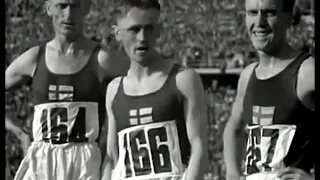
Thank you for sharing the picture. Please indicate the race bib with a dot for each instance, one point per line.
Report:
(66, 122)
(262, 176)
(267, 146)
(149, 151)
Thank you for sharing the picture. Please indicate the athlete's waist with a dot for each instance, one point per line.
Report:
(41, 144)
(53, 141)
(271, 175)
(65, 103)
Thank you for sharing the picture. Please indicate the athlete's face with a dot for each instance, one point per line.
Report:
(67, 15)
(267, 24)
(138, 32)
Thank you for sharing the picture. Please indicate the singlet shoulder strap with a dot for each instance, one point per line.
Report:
(41, 51)
(120, 87)
(299, 60)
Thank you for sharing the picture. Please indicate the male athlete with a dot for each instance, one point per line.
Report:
(68, 74)
(156, 113)
(275, 100)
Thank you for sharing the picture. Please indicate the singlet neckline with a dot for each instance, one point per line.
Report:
(293, 62)
(171, 72)
(75, 73)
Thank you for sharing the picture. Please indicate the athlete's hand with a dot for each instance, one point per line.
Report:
(291, 173)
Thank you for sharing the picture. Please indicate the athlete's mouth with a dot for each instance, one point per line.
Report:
(142, 48)
(68, 24)
(260, 33)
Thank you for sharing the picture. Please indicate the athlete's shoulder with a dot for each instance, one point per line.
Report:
(188, 80)
(308, 65)
(184, 73)
(26, 61)
(247, 71)
(306, 75)
(115, 82)
(244, 78)
(113, 87)
(31, 54)
(115, 62)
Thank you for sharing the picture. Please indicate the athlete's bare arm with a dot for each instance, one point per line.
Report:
(305, 92)
(21, 135)
(21, 69)
(306, 83)
(234, 133)
(112, 139)
(113, 61)
(190, 85)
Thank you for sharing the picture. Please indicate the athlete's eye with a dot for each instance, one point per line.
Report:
(252, 12)
(134, 29)
(270, 12)
(62, 5)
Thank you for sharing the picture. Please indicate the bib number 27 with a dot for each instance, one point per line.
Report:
(257, 140)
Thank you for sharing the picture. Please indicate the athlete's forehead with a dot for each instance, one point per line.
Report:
(140, 17)
(263, 4)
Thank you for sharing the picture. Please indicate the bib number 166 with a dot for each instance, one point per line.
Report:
(147, 152)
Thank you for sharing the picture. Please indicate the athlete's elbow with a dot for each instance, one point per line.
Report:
(228, 131)
(9, 86)
(232, 130)
(200, 150)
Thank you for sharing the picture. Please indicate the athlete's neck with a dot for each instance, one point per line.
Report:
(139, 70)
(269, 59)
(67, 45)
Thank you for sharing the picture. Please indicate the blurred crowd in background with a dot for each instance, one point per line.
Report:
(197, 33)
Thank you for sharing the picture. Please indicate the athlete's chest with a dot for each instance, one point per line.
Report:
(83, 85)
(266, 73)
(163, 105)
(145, 86)
(59, 63)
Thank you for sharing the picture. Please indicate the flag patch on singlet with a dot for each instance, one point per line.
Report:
(61, 92)
(140, 116)
(262, 115)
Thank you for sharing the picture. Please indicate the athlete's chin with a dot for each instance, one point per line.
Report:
(142, 59)
(261, 46)
(69, 32)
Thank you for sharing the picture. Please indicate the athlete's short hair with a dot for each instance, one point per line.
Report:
(123, 6)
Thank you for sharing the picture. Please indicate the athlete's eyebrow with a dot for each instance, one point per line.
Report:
(140, 26)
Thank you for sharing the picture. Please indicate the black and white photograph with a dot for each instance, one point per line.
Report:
(160, 90)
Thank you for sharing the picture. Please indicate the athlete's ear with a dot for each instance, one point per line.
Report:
(48, 8)
(116, 30)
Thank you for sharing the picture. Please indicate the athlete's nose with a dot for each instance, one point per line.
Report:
(141, 36)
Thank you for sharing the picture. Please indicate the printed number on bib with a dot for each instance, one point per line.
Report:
(260, 137)
(147, 152)
(58, 128)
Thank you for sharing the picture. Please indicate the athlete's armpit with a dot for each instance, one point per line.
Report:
(21, 69)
